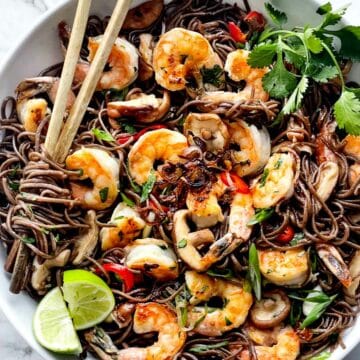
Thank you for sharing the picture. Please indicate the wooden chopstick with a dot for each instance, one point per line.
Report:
(89, 85)
(67, 75)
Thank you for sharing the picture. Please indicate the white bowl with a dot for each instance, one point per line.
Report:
(39, 49)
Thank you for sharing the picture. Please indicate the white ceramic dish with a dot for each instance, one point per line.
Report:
(40, 48)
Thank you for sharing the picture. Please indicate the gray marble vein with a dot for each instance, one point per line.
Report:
(17, 16)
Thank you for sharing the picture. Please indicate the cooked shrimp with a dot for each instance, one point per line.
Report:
(123, 62)
(209, 128)
(178, 54)
(141, 107)
(188, 243)
(238, 69)
(149, 317)
(277, 182)
(232, 315)
(153, 257)
(334, 262)
(144, 15)
(102, 169)
(31, 111)
(352, 146)
(163, 144)
(204, 207)
(254, 147)
(146, 50)
(128, 226)
(285, 268)
(286, 348)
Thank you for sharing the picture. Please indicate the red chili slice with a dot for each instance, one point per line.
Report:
(256, 20)
(126, 276)
(287, 235)
(231, 179)
(236, 33)
(123, 139)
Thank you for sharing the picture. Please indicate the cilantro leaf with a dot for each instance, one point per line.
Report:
(148, 186)
(279, 82)
(296, 97)
(212, 75)
(347, 112)
(102, 135)
(104, 194)
(331, 18)
(350, 41)
(322, 356)
(278, 17)
(262, 55)
(325, 74)
(355, 91)
(129, 128)
(324, 9)
(312, 42)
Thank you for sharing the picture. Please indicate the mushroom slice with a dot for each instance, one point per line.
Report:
(271, 310)
(153, 257)
(142, 107)
(144, 15)
(86, 241)
(209, 128)
(123, 314)
(146, 49)
(42, 271)
(334, 262)
(354, 269)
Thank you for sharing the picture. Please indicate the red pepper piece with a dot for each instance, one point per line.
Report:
(255, 20)
(236, 33)
(236, 181)
(127, 276)
(123, 139)
(287, 235)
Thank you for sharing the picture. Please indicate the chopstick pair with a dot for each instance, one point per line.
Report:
(58, 142)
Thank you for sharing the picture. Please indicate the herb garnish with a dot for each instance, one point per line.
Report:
(213, 75)
(203, 348)
(264, 176)
(254, 271)
(182, 243)
(309, 50)
(28, 240)
(261, 215)
(221, 273)
(104, 194)
(126, 200)
(148, 186)
(102, 135)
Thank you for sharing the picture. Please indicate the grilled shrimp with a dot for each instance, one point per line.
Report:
(287, 347)
(148, 317)
(238, 69)
(277, 181)
(128, 226)
(233, 314)
(285, 268)
(352, 146)
(254, 147)
(102, 169)
(141, 107)
(163, 144)
(123, 62)
(31, 111)
(209, 128)
(153, 257)
(188, 243)
(179, 54)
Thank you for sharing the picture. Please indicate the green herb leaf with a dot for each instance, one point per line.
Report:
(325, 74)
(102, 135)
(331, 17)
(295, 313)
(323, 9)
(228, 322)
(28, 240)
(294, 101)
(104, 194)
(347, 112)
(126, 200)
(350, 41)
(297, 237)
(203, 348)
(14, 185)
(264, 176)
(322, 356)
(278, 164)
(213, 75)
(148, 186)
(278, 17)
(182, 243)
(279, 82)
(262, 55)
(129, 128)
(119, 218)
(316, 312)
(14, 171)
(313, 43)
(118, 95)
(261, 215)
(221, 273)
(254, 271)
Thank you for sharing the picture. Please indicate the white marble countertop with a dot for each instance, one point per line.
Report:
(17, 16)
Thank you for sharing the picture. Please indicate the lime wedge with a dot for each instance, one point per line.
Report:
(53, 327)
(89, 299)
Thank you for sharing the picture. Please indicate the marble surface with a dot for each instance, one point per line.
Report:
(17, 16)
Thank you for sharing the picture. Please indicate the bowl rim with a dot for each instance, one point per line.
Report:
(336, 354)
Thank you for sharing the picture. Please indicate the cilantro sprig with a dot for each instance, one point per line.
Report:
(311, 53)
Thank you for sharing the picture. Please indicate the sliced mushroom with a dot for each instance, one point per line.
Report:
(264, 337)
(42, 271)
(122, 314)
(209, 128)
(86, 241)
(142, 107)
(354, 269)
(327, 179)
(271, 310)
(146, 49)
(144, 15)
(334, 262)
(153, 257)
